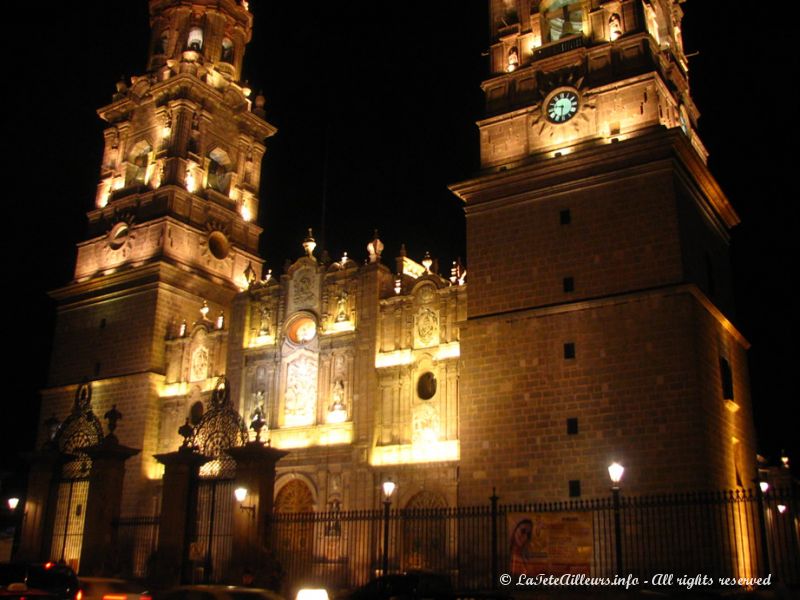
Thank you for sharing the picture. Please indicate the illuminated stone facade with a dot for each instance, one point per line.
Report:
(173, 230)
(596, 328)
(356, 372)
(600, 290)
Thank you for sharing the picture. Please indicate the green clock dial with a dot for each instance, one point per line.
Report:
(562, 106)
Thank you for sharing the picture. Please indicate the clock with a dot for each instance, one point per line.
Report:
(561, 105)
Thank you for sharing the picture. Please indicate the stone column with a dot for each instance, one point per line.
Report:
(103, 505)
(40, 504)
(178, 514)
(255, 471)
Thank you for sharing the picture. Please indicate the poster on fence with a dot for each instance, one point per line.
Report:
(550, 543)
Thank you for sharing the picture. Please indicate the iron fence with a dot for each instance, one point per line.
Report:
(136, 541)
(728, 534)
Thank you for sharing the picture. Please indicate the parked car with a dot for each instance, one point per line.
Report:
(20, 591)
(413, 585)
(106, 588)
(43, 579)
(217, 592)
(417, 585)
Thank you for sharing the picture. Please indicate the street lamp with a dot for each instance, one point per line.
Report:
(13, 503)
(240, 494)
(388, 490)
(615, 471)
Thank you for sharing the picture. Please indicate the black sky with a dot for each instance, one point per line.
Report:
(389, 93)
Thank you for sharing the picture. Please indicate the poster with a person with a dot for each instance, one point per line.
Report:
(550, 543)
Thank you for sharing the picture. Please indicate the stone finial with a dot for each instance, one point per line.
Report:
(51, 425)
(83, 398)
(309, 243)
(204, 310)
(257, 423)
(375, 248)
(427, 261)
(186, 431)
(112, 416)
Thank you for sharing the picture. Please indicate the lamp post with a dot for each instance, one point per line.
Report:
(388, 490)
(12, 504)
(615, 471)
(762, 487)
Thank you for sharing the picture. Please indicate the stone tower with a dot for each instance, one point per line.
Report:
(600, 296)
(172, 230)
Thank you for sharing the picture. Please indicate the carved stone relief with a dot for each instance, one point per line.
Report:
(300, 396)
(426, 328)
(425, 424)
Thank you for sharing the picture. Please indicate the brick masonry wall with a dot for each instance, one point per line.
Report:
(622, 236)
(103, 339)
(635, 386)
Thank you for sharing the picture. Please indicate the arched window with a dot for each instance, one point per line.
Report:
(195, 39)
(562, 18)
(138, 161)
(227, 51)
(219, 170)
(162, 43)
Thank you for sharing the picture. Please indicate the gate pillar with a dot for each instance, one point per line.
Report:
(103, 505)
(40, 503)
(178, 521)
(255, 471)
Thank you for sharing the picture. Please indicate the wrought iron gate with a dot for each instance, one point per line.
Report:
(69, 518)
(79, 430)
(219, 429)
(211, 550)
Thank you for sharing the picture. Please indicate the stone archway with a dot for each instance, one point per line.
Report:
(424, 535)
(294, 526)
(294, 497)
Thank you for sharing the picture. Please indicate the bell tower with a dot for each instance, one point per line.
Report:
(600, 296)
(173, 227)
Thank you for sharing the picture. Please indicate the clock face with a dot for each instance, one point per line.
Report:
(562, 106)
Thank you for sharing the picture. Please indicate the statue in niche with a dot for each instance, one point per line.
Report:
(614, 27)
(341, 306)
(258, 402)
(301, 392)
(513, 58)
(337, 396)
(264, 321)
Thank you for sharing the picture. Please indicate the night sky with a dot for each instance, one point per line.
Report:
(375, 104)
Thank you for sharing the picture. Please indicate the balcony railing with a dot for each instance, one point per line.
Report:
(565, 45)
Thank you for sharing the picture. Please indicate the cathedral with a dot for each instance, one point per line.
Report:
(590, 325)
